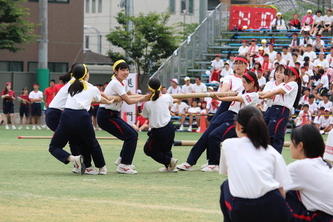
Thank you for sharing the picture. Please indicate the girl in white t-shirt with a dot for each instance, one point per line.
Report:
(310, 193)
(285, 97)
(162, 133)
(193, 112)
(257, 173)
(36, 98)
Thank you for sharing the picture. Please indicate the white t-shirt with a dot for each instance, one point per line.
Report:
(226, 72)
(36, 95)
(329, 59)
(304, 100)
(194, 110)
(287, 57)
(327, 105)
(324, 80)
(235, 83)
(158, 111)
(303, 42)
(248, 98)
(59, 101)
(313, 179)
(179, 108)
(84, 99)
(323, 122)
(243, 50)
(312, 55)
(176, 90)
(199, 88)
(252, 172)
(115, 88)
(272, 56)
(287, 99)
(313, 107)
(318, 19)
(187, 88)
(328, 20)
(217, 64)
(262, 81)
(281, 62)
(270, 86)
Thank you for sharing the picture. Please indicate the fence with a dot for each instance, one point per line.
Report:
(194, 46)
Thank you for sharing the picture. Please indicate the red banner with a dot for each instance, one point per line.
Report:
(251, 17)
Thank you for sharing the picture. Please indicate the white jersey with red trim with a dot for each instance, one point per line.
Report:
(287, 99)
(115, 88)
(248, 98)
(270, 86)
(235, 83)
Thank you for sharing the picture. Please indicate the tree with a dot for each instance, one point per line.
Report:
(149, 41)
(14, 29)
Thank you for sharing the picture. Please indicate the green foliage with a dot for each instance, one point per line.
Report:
(147, 43)
(185, 30)
(14, 28)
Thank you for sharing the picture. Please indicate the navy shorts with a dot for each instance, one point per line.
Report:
(8, 106)
(24, 110)
(36, 109)
(93, 110)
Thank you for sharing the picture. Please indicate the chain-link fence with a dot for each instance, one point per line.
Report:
(194, 46)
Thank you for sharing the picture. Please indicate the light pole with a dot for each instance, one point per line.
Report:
(99, 37)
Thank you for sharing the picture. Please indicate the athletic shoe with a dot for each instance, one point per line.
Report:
(91, 171)
(210, 168)
(13, 127)
(33, 128)
(181, 128)
(198, 130)
(27, 127)
(204, 166)
(167, 170)
(118, 161)
(7, 127)
(20, 127)
(126, 169)
(38, 127)
(185, 167)
(76, 170)
(78, 162)
(189, 129)
(102, 171)
(172, 164)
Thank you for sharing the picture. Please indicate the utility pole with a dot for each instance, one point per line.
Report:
(43, 71)
(203, 10)
(129, 10)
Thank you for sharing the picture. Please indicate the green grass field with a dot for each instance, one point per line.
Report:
(34, 186)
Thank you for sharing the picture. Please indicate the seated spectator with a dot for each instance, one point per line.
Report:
(142, 124)
(271, 53)
(318, 24)
(304, 116)
(217, 65)
(279, 59)
(307, 21)
(295, 41)
(266, 64)
(164, 90)
(253, 50)
(198, 86)
(278, 23)
(261, 79)
(294, 60)
(194, 112)
(227, 70)
(212, 105)
(324, 122)
(321, 61)
(305, 98)
(294, 23)
(328, 21)
(305, 40)
(286, 55)
(309, 53)
(243, 49)
(187, 87)
(260, 56)
(180, 108)
(174, 88)
(313, 107)
(318, 44)
(256, 67)
(264, 45)
(329, 58)
(324, 81)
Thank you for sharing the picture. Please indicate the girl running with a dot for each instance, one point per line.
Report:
(162, 133)
(108, 116)
(257, 173)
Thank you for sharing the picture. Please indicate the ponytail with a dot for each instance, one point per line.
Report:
(79, 72)
(154, 86)
(254, 126)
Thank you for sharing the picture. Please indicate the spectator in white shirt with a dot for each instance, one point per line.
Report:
(217, 65)
(174, 88)
(305, 77)
(279, 59)
(286, 55)
(318, 44)
(187, 87)
(328, 19)
(198, 86)
(318, 24)
(194, 112)
(226, 70)
(324, 81)
(324, 122)
(271, 53)
(313, 107)
(243, 49)
(264, 45)
(309, 53)
(321, 61)
(295, 41)
(278, 23)
(180, 109)
(329, 58)
(305, 40)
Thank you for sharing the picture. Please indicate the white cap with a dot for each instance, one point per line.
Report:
(263, 41)
(307, 28)
(210, 87)
(244, 27)
(174, 80)
(309, 11)
(260, 48)
(279, 13)
(187, 78)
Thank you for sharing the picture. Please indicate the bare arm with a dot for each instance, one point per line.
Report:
(270, 94)
(130, 100)
(114, 98)
(283, 193)
(231, 99)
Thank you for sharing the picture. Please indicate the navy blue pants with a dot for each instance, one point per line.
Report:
(276, 118)
(219, 129)
(8, 106)
(52, 118)
(224, 106)
(36, 109)
(76, 125)
(301, 214)
(269, 208)
(159, 144)
(111, 122)
(24, 110)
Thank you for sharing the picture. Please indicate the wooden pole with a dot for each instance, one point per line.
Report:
(50, 137)
(202, 95)
(192, 143)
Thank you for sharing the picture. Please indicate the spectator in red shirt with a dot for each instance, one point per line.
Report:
(141, 123)
(62, 81)
(294, 23)
(8, 96)
(49, 93)
(24, 108)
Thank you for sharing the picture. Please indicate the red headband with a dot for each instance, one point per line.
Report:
(241, 59)
(249, 77)
(294, 71)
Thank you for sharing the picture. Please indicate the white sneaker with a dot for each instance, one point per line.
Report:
(38, 127)
(13, 127)
(167, 170)
(181, 128)
(185, 167)
(204, 165)
(76, 170)
(33, 128)
(198, 130)
(210, 168)
(7, 127)
(103, 171)
(118, 161)
(27, 127)
(126, 169)
(91, 171)
(20, 127)
(189, 129)
(172, 164)
(78, 162)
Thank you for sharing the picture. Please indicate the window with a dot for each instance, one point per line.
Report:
(100, 6)
(87, 6)
(86, 42)
(187, 6)
(93, 6)
(9, 66)
(172, 6)
(190, 6)
(182, 6)
(52, 1)
(53, 66)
